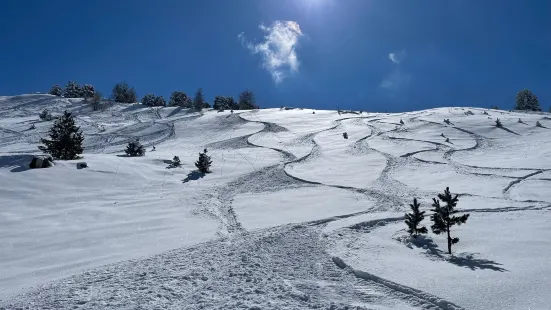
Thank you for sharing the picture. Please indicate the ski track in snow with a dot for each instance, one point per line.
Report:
(284, 267)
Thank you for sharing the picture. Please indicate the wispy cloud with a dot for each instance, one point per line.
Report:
(397, 57)
(278, 49)
(396, 79)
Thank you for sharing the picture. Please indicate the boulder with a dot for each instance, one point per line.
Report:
(41, 161)
(82, 164)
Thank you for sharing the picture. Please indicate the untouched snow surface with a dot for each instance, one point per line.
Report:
(293, 215)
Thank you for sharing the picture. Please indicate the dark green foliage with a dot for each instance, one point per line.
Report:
(198, 100)
(204, 162)
(56, 90)
(224, 103)
(247, 101)
(73, 90)
(149, 100)
(160, 101)
(88, 91)
(65, 139)
(180, 99)
(443, 217)
(124, 94)
(413, 219)
(526, 100)
(135, 148)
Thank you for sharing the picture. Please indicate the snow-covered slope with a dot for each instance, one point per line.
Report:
(293, 216)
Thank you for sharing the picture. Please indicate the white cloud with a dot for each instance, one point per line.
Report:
(397, 57)
(395, 80)
(278, 49)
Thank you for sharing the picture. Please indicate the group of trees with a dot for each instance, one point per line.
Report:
(65, 143)
(443, 217)
(123, 93)
(73, 90)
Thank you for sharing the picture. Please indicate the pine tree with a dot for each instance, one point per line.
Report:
(247, 101)
(159, 101)
(443, 217)
(526, 100)
(176, 161)
(65, 139)
(56, 90)
(414, 218)
(73, 90)
(498, 123)
(123, 93)
(149, 100)
(198, 100)
(135, 148)
(204, 162)
(88, 91)
(178, 98)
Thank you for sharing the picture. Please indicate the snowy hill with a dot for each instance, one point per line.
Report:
(293, 216)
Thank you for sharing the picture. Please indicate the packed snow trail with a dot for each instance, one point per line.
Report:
(280, 268)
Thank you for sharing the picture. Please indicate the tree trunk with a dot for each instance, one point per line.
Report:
(449, 239)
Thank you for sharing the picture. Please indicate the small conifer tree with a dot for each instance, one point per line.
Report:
(65, 139)
(176, 161)
(414, 218)
(198, 100)
(135, 148)
(443, 217)
(45, 115)
(123, 93)
(178, 98)
(56, 90)
(498, 123)
(88, 91)
(527, 100)
(204, 162)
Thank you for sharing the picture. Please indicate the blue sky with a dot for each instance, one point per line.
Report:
(375, 55)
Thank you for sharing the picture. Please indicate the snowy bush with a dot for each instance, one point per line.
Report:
(498, 123)
(413, 219)
(538, 124)
(56, 90)
(345, 135)
(204, 162)
(175, 162)
(135, 148)
(224, 103)
(443, 217)
(45, 115)
(123, 93)
(65, 139)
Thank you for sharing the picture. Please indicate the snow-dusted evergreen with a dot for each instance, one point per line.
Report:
(527, 100)
(180, 99)
(124, 93)
(135, 148)
(444, 217)
(88, 91)
(65, 139)
(204, 162)
(56, 90)
(73, 90)
(247, 101)
(45, 115)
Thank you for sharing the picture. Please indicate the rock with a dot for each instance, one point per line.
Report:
(82, 164)
(41, 161)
